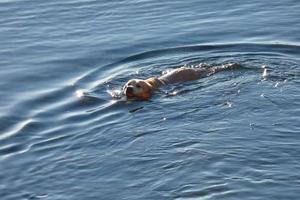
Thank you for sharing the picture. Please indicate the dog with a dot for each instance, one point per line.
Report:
(142, 89)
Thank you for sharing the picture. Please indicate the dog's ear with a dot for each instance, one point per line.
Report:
(152, 82)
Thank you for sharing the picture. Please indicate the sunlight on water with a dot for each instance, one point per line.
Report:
(173, 93)
(79, 93)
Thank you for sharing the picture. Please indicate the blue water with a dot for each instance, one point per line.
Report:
(234, 135)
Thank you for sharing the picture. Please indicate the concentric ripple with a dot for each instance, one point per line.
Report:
(217, 137)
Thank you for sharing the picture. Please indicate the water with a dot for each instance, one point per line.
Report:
(234, 135)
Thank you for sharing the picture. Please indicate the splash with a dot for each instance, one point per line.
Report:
(117, 94)
(265, 72)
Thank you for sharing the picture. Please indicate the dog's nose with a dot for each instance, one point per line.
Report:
(129, 90)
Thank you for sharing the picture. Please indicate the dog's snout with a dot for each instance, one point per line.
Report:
(129, 90)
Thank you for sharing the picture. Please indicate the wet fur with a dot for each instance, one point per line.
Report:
(142, 89)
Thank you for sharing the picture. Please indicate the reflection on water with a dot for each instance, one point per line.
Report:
(79, 93)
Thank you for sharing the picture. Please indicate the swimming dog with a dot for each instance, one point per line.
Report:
(142, 89)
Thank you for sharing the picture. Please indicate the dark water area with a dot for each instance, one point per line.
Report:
(66, 134)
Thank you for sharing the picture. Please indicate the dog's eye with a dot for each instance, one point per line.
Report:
(138, 86)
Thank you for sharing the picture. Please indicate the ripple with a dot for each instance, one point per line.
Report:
(192, 140)
(208, 192)
(13, 149)
(178, 56)
(16, 129)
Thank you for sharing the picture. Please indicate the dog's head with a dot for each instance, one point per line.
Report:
(138, 88)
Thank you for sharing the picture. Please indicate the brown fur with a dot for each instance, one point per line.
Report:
(142, 89)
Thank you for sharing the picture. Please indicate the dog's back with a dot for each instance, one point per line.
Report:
(188, 74)
(183, 74)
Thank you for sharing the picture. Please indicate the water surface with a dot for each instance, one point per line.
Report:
(234, 135)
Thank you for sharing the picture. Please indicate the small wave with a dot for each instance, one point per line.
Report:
(153, 63)
(16, 129)
(13, 149)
